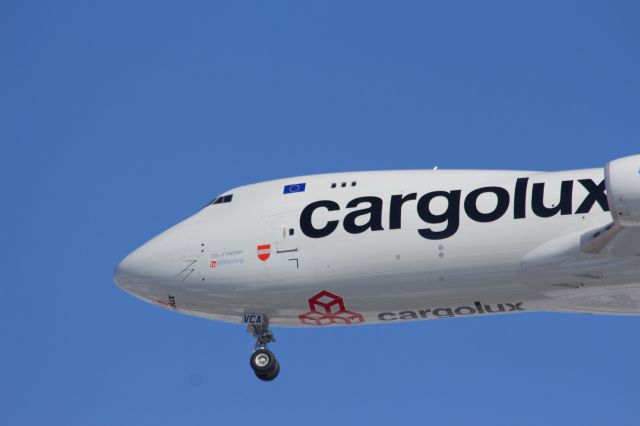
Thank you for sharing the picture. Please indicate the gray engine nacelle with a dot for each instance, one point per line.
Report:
(622, 180)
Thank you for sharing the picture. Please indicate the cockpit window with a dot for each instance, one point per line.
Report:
(222, 199)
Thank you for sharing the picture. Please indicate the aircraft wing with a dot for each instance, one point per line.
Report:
(613, 239)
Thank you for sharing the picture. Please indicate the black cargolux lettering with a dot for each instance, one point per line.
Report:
(370, 217)
(395, 211)
(490, 310)
(596, 195)
(374, 211)
(408, 315)
(564, 205)
(502, 204)
(464, 310)
(442, 312)
(520, 199)
(383, 316)
(451, 215)
(515, 306)
(306, 225)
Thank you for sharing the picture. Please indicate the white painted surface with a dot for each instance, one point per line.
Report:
(208, 265)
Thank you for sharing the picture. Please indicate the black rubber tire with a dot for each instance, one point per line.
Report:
(270, 375)
(259, 367)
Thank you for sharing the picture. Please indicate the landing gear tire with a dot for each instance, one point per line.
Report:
(270, 375)
(263, 361)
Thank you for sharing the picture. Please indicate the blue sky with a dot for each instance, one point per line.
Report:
(121, 118)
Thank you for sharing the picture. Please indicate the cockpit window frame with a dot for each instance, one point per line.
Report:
(223, 199)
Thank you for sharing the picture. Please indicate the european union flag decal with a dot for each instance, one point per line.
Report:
(296, 187)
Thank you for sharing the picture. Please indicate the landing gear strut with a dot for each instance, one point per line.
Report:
(263, 361)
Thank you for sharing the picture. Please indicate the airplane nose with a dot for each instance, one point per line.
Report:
(156, 264)
(122, 273)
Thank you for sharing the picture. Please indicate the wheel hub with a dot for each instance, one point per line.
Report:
(262, 360)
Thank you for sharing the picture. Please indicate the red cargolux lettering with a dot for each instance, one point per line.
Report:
(326, 308)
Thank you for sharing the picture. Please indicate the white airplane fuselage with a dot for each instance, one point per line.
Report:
(377, 247)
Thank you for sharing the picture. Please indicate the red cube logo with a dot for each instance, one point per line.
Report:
(326, 308)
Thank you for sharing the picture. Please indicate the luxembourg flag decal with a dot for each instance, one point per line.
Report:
(264, 251)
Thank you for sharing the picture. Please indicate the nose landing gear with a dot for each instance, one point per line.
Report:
(263, 361)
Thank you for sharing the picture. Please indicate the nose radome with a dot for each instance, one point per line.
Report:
(157, 262)
(122, 273)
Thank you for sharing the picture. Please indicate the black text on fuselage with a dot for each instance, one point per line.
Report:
(450, 217)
